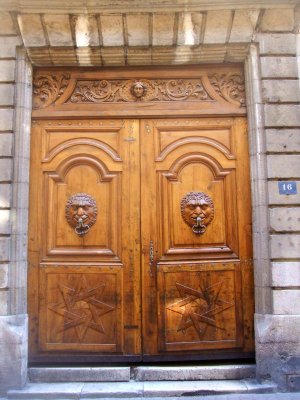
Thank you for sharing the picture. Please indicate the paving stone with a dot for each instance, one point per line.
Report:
(286, 301)
(243, 25)
(285, 246)
(281, 90)
(112, 30)
(282, 115)
(7, 70)
(285, 274)
(276, 43)
(285, 219)
(283, 140)
(279, 67)
(138, 29)
(181, 373)
(280, 19)
(6, 26)
(283, 166)
(48, 391)
(32, 30)
(110, 389)
(276, 198)
(189, 28)
(58, 29)
(79, 374)
(163, 29)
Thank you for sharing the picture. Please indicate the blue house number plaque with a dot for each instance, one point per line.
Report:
(288, 187)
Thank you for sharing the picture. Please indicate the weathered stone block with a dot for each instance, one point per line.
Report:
(276, 198)
(283, 166)
(285, 219)
(217, 26)
(189, 29)
(112, 30)
(285, 274)
(32, 30)
(280, 91)
(5, 169)
(113, 55)
(139, 56)
(286, 301)
(276, 43)
(283, 140)
(282, 115)
(4, 302)
(4, 249)
(138, 29)
(13, 350)
(7, 70)
(279, 67)
(59, 29)
(285, 246)
(6, 94)
(6, 26)
(6, 119)
(5, 227)
(8, 46)
(243, 25)
(61, 56)
(293, 382)
(278, 19)
(86, 30)
(6, 142)
(3, 276)
(163, 29)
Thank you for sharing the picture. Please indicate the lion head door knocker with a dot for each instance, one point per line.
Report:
(138, 90)
(197, 211)
(81, 212)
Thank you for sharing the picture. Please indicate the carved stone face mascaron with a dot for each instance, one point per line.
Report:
(81, 212)
(138, 90)
(197, 211)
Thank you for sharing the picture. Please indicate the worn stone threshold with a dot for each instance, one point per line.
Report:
(141, 373)
(134, 389)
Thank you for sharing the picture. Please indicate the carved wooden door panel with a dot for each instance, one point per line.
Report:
(84, 249)
(196, 239)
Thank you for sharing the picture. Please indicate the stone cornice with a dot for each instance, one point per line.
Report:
(98, 6)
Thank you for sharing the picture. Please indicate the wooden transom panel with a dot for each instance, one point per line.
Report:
(140, 227)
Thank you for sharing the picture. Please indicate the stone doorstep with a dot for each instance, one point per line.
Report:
(141, 373)
(81, 390)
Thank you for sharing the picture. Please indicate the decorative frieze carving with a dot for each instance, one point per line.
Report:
(230, 86)
(115, 91)
(48, 88)
(197, 211)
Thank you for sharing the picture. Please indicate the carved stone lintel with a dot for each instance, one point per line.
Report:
(230, 86)
(48, 88)
(81, 212)
(102, 91)
(197, 211)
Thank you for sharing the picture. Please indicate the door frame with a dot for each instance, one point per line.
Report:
(21, 180)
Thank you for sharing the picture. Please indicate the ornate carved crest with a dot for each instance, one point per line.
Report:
(230, 86)
(197, 211)
(81, 212)
(48, 88)
(101, 91)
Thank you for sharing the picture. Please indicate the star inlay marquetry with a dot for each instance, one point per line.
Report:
(199, 307)
(82, 308)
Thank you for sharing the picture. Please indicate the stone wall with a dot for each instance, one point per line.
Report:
(156, 38)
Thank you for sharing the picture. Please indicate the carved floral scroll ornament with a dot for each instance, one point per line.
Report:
(48, 88)
(197, 211)
(230, 86)
(139, 90)
(81, 212)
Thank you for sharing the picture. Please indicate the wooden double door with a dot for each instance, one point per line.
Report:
(140, 240)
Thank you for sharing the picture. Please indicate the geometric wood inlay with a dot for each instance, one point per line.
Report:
(199, 307)
(81, 308)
